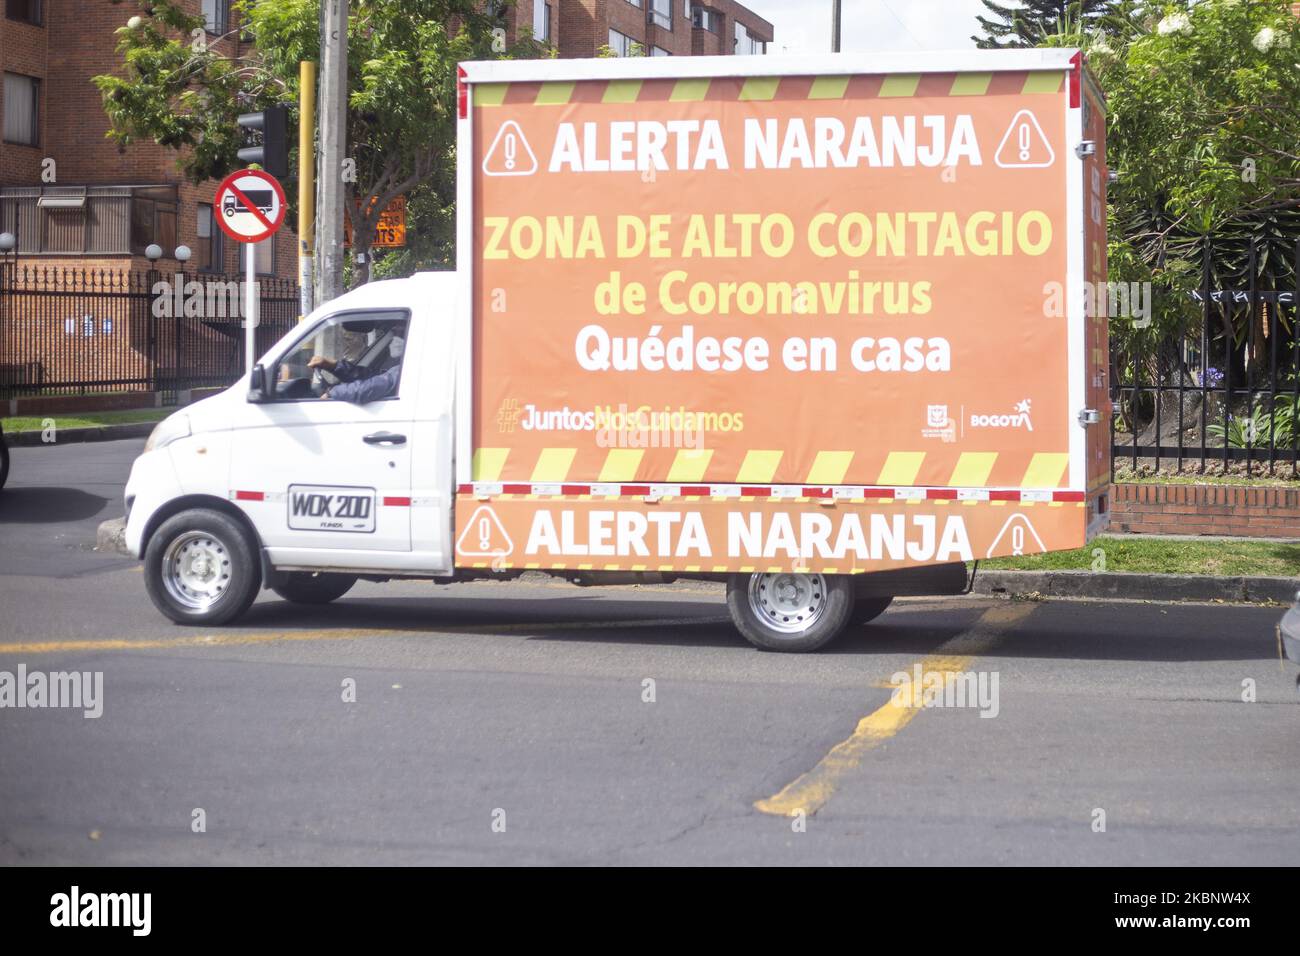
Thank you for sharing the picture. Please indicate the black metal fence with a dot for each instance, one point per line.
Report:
(1222, 393)
(70, 331)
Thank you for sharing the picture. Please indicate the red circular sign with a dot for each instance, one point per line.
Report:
(249, 205)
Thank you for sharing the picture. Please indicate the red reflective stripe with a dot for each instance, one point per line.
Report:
(1076, 80)
(397, 502)
(748, 491)
(462, 93)
(250, 496)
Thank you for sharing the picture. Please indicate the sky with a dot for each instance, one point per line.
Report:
(804, 26)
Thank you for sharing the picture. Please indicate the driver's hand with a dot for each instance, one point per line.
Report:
(325, 394)
(320, 361)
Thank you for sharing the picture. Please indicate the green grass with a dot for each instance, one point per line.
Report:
(35, 423)
(1166, 556)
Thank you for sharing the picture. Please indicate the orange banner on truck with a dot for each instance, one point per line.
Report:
(774, 280)
(691, 534)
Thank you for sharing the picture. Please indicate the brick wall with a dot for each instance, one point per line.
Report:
(1206, 509)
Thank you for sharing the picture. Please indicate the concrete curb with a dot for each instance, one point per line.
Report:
(111, 536)
(65, 436)
(1124, 585)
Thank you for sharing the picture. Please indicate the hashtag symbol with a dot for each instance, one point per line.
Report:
(508, 415)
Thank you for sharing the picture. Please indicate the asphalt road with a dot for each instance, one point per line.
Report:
(524, 706)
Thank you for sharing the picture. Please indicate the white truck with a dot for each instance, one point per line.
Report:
(813, 327)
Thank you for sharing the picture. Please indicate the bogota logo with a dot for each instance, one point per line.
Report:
(1017, 419)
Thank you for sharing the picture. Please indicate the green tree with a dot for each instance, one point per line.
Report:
(1203, 122)
(183, 90)
(1026, 23)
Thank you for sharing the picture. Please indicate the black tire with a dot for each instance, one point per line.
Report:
(867, 609)
(794, 613)
(308, 587)
(220, 588)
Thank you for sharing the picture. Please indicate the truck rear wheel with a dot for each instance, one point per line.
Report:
(867, 609)
(786, 611)
(306, 587)
(202, 567)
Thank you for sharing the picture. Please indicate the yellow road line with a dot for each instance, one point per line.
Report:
(237, 639)
(810, 791)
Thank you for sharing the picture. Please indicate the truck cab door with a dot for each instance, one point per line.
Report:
(323, 465)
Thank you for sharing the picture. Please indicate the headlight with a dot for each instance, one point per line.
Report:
(170, 429)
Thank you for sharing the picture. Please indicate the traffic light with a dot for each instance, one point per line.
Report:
(272, 153)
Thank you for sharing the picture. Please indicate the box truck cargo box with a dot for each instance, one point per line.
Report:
(820, 328)
(820, 314)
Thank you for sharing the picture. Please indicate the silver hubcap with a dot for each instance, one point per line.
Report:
(196, 570)
(789, 603)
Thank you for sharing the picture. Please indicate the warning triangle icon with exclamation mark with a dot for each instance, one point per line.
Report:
(1024, 146)
(510, 154)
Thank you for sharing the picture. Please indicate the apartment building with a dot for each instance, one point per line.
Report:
(582, 28)
(72, 197)
(69, 194)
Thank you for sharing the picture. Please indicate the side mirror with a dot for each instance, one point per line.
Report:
(259, 385)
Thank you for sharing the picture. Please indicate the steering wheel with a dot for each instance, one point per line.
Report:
(320, 383)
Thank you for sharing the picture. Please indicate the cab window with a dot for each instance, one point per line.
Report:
(353, 356)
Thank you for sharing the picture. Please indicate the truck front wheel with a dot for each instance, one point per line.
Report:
(785, 611)
(201, 567)
(306, 587)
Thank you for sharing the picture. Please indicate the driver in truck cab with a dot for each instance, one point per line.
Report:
(358, 383)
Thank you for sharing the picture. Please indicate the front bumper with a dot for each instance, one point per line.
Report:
(152, 484)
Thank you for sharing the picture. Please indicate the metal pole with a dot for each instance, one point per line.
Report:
(835, 26)
(306, 184)
(333, 135)
(250, 307)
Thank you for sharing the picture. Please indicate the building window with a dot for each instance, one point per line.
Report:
(22, 106)
(621, 43)
(27, 11)
(92, 220)
(264, 256)
(211, 253)
(661, 11)
(747, 43)
(635, 3)
(541, 20)
(702, 18)
(659, 51)
(217, 15)
(153, 219)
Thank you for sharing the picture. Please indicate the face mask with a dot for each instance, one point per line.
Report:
(396, 347)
